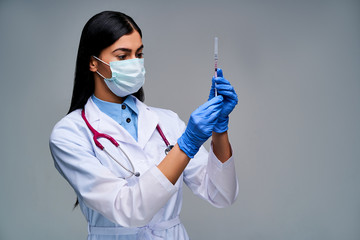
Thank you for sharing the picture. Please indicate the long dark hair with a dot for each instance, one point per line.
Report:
(101, 31)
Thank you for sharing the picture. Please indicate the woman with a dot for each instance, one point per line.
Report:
(137, 193)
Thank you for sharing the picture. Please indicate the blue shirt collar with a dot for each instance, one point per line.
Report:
(109, 107)
(130, 102)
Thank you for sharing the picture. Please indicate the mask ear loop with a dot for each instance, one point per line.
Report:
(100, 75)
(102, 62)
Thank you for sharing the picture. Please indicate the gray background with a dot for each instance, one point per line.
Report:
(296, 133)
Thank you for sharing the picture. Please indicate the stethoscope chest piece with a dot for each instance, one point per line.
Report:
(168, 149)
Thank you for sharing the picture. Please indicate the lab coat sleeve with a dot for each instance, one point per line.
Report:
(99, 188)
(212, 180)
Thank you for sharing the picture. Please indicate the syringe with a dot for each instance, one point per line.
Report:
(216, 59)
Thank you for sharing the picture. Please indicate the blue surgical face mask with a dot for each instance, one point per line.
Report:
(128, 76)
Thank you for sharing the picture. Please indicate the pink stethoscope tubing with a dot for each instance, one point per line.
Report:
(98, 135)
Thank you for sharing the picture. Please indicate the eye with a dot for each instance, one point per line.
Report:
(121, 57)
(140, 55)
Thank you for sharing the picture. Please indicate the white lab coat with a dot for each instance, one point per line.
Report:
(145, 207)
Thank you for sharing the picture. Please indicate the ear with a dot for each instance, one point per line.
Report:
(93, 64)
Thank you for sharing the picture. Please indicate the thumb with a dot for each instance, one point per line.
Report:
(212, 89)
(219, 72)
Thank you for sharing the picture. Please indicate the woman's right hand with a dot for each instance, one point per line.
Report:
(200, 126)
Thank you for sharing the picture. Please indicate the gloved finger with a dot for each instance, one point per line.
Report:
(213, 101)
(213, 117)
(227, 93)
(213, 82)
(212, 89)
(209, 115)
(221, 80)
(225, 87)
(212, 109)
(208, 118)
(219, 72)
(224, 84)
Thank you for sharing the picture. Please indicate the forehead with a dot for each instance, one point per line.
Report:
(130, 41)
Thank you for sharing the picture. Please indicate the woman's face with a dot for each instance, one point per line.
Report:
(127, 47)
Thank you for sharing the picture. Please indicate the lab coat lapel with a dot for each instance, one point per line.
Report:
(147, 122)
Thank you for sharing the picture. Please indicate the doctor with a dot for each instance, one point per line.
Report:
(134, 191)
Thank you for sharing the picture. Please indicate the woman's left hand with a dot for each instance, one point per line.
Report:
(225, 89)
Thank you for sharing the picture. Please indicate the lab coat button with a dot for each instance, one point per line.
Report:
(128, 120)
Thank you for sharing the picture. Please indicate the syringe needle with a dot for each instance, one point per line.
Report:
(216, 59)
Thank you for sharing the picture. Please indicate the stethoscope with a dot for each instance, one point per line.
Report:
(98, 135)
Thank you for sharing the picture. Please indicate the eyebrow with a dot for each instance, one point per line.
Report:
(127, 49)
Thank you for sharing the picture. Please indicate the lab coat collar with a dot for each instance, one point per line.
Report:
(147, 122)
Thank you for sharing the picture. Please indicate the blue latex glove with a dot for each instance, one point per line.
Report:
(200, 126)
(224, 89)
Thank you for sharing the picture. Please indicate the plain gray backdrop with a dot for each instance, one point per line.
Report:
(295, 132)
